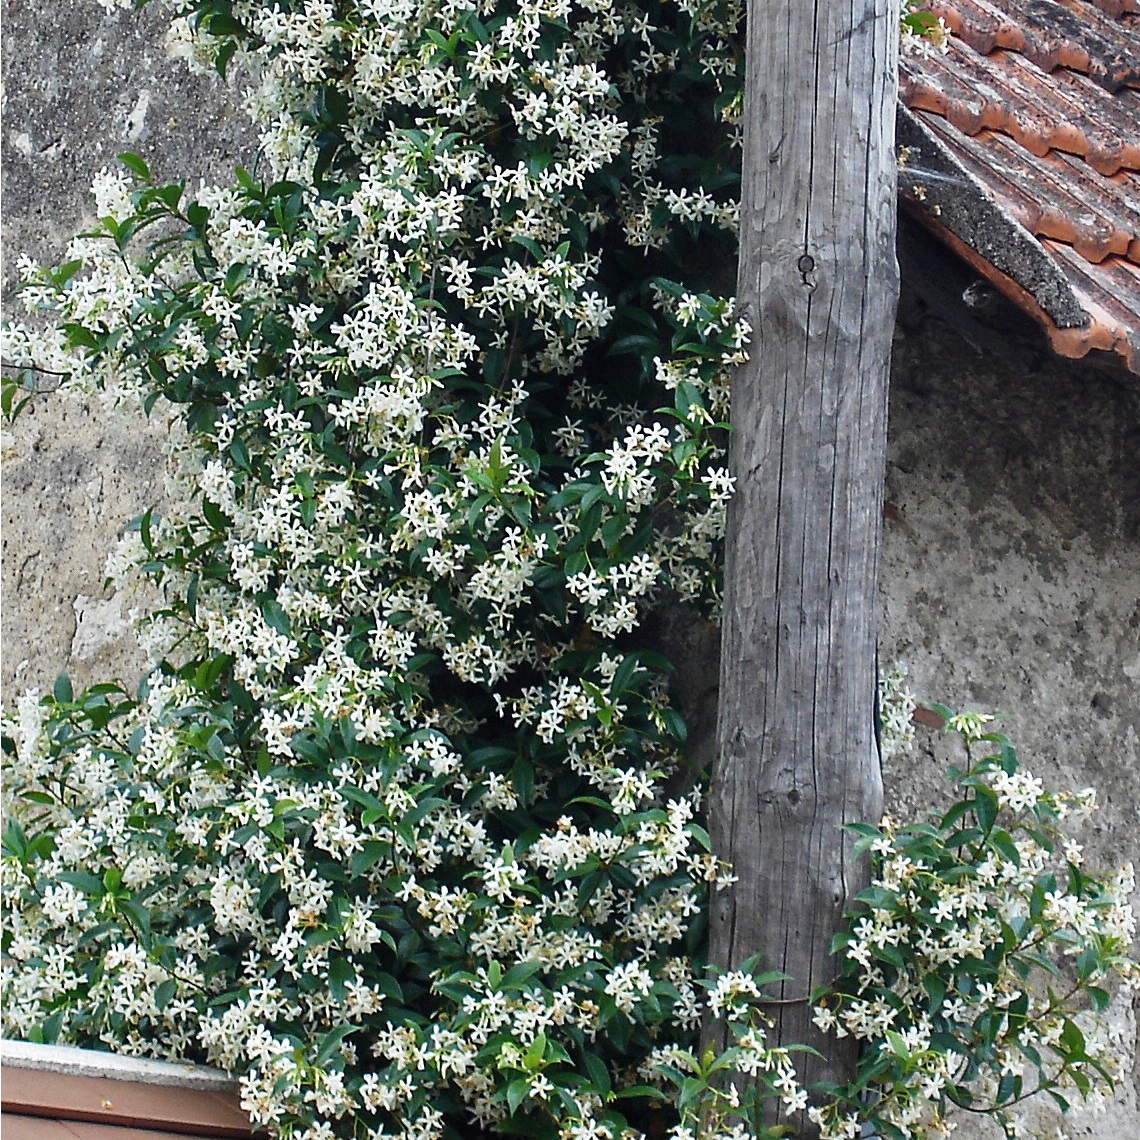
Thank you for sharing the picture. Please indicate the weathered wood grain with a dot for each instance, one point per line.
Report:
(818, 281)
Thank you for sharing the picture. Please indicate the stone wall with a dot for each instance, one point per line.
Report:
(80, 86)
(1011, 571)
(1011, 584)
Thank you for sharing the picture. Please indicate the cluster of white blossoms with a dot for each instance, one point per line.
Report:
(896, 711)
(921, 32)
(387, 832)
(980, 931)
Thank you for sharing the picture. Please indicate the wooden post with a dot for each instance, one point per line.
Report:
(818, 280)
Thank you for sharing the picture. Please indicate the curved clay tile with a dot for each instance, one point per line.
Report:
(979, 23)
(1117, 7)
(986, 198)
(1051, 33)
(1052, 196)
(1006, 92)
(1116, 198)
(949, 198)
(1029, 129)
(1109, 293)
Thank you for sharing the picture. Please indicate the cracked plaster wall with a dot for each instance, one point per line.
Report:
(1010, 584)
(80, 86)
(1011, 567)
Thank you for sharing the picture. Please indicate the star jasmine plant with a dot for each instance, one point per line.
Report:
(393, 828)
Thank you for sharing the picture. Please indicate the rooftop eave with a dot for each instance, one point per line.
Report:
(945, 197)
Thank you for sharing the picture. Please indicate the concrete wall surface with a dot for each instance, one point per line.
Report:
(80, 86)
(1010, 584)
(1011, 567)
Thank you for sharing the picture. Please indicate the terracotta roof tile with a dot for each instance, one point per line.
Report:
(1109, 295)
(1004, 91)
(1027, 138)
(1051, 35)
(1051, 195)
(1117, 7)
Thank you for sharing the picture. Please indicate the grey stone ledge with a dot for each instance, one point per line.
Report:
(71, 1061)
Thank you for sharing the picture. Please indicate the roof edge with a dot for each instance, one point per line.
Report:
(1072, 343)
(949, 199)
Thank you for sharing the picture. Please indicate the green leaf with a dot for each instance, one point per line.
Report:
(370, 854)
(341, 972)
(700, 835)
(163, 992)
(624, 674)
(599, 1074)
(224, 24)
(215, 518)
(891, 954)
(239, 453)
(1059, 1100)
(62, 274)
(89, 884)
(640, 1091)
(519, 973)
(636, 344)
(135, 165)
(936, 990)
(1088, 963)
(588, 887)
(960, 809)
(675, 725)
(79, 337)
(138, 915)
(535, 1051)
(365, 799)
(61, 690)
(171, 194)
(1074, 1041)
(878, 897)
(145, 531)
(1003, 842)
(522, 779)
(1098, 998)
(517, 1092)
(330, 1042)
(275, 616)
(593, 495)
(985, 806)
(1009, 1087)
(192, 594)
